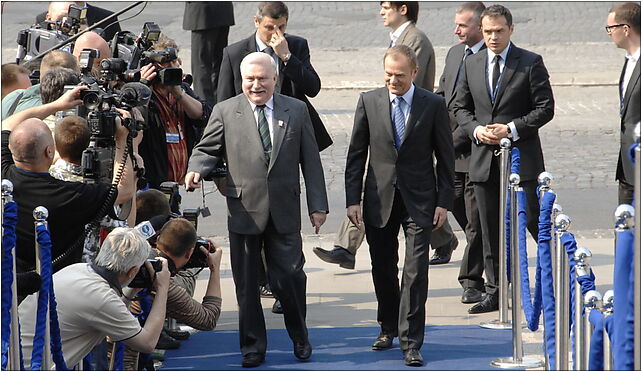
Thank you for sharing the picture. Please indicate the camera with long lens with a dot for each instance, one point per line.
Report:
(116, 69)
(165, 75)
(198, 258)
(144, 279)
(127, 46)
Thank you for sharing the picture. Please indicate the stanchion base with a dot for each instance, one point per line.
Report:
(510, 362)
(496, 324)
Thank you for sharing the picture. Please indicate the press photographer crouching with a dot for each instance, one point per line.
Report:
(93, 301)
(27, 153)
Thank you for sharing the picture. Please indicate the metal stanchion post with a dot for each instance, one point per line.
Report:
(607, 311)
(592, 301)
(40, 214)
(562, 223)
(517, 360)
(557, 210)
(581, 257)
(14, 341)
(636, 253)
(504, 161)
(112, 358)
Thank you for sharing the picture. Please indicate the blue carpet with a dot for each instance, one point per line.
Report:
(445, 348)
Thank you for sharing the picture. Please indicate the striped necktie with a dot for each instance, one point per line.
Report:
(399, 121)
(264, 132)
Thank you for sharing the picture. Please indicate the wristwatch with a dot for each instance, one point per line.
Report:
(287, 57)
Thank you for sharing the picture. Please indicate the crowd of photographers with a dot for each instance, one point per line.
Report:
(84, 129)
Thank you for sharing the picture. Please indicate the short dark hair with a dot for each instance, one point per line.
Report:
(497, 10)
(58, 58)
(52, 85)
(402, 50)
(272, 9)
(150, 203)
(72, 138)
(412, 9)
(176, 237)
(476, 7)
(627, 13)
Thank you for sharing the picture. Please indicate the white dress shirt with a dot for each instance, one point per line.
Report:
(269, 115)
(632, 60)
(407, 97)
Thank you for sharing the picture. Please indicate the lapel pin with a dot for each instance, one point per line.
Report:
(281, 123)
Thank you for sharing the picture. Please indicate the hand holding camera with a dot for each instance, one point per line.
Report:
(161, 278)
(214, 255)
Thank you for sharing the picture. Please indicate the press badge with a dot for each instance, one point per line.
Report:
(172, 137)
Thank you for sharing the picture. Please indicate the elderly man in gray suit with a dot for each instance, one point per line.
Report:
(265, 137)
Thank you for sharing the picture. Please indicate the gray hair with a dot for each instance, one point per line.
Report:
(123, 249)
(256, 58)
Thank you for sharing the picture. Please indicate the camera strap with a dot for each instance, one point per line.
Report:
(15, 103)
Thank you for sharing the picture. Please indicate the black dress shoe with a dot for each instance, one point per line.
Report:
(302, 350)
(265, 291)
(277, 308)
(443, 254)
(338, 255)
(488, 304)
(471, 295)
(413, 358)
(251, 360)
(382, 342)
(178, 334)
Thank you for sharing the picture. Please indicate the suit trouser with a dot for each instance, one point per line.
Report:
(402, 311)
(625, 193)
(207, 54)
(349, 237)
(284, 256)
(487, 195)
(467, 215)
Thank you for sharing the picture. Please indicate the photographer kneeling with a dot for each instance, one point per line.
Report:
(91, 303)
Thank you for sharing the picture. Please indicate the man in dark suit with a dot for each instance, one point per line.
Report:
(502, 93)
(623, 25)
(296, 76)
(59, 9)
(263, 197)
(210, 23)
(468, 29)
(399, 128)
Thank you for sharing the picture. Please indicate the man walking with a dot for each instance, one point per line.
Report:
(502, 93)
(397, 130)
(265, 137)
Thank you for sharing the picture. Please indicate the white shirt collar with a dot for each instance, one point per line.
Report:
(634, 57)
(503, 54)
(475, 48)
(406, 97)
(394, 35)
(259, 43)
(269, 104)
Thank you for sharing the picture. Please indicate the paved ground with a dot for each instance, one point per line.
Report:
(347, 42)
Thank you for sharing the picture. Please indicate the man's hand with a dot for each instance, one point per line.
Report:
(161, 280)
(213, 258)
(70, 99)
(279, 44)
(354, 215)
(441, 214)
(147, 73)
(121, 131)
(499, 130)
(192, 181)
(486, 136)
(317, 219)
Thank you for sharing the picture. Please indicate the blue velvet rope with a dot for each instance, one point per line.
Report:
(546, 265)
(515, 160)
(514, 168)
(623, 293)
(570, 245)
(119, 361)
(46, 302)
(532, 308)
(596, 353)
(87, 362)
(9, 222)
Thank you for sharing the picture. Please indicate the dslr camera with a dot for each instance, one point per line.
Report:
(143, 279)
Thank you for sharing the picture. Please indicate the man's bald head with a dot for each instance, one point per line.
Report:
(32, 145)
(57, 10)
(92, 40)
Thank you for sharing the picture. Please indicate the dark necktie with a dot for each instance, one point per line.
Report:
(496, 73)
(468, 52)
(264, 132)
(399, 122)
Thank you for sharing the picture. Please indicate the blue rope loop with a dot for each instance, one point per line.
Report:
(596, 353)
(622, 334)
(515, 161)
(545, 262)
(119, 361)
(9, 222)
(46, 302)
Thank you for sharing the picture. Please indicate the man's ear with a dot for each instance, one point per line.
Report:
(131, 273)
(403, 10)
(189, 252)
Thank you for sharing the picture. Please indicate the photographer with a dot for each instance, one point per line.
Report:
(27, 153)
(52, 87)
(91, 303)
(59, 9)
(175, 120)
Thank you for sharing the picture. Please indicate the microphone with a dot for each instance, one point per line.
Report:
(135, 94)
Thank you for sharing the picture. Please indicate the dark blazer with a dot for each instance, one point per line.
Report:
(524, 97)
(94, 15)
(255, 189)
(629, 117)
(203, 15)
(446, 89)
(300, 80)
(410, 168)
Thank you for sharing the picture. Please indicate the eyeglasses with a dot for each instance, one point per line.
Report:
(609, 29)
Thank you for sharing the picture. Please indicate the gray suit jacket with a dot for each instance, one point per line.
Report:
(418, 41)
(255, 189)
(630, 116)
(524, 97)
(410, 168)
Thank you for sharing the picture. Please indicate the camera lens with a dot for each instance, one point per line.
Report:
(90, 100)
